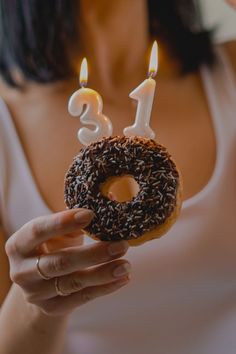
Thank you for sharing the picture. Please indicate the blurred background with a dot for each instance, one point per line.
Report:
(217, 13)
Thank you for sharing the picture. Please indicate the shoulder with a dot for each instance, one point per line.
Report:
(230, 49)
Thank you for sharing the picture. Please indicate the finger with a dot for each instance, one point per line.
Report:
(41, 229)
(94, 277)
(24, 272)
(63, 305)
(73, 259)
(75, 282)
(71, 239)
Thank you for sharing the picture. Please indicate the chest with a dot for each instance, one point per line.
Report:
(180, 119)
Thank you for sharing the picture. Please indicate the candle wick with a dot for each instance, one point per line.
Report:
(151, 74)
(83, 83)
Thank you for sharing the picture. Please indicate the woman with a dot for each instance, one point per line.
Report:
(181, 297)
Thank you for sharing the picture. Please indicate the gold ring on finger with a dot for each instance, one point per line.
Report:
(43, 276)
(58, 290)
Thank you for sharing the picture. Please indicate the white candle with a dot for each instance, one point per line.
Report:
(92, 114)
(144, 94)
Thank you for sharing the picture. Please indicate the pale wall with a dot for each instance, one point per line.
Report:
(218, 12)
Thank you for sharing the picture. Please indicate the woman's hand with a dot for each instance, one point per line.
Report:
(83, 272)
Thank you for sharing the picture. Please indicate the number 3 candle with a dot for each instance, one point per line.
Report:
(92, 113)
(144, 94)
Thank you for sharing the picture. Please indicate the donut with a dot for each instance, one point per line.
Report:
(149, 214)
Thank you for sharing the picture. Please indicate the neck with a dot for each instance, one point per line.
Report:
(115, 40)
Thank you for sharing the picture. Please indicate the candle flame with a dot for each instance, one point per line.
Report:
(83, 78)
(153, 63)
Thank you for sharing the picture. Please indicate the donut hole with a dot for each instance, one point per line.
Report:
(120, 188)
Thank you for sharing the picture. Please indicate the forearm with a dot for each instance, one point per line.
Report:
(24, 329)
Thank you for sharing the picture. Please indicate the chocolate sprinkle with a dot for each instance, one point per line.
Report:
(151, 166)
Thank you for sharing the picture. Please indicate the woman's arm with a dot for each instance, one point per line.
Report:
(230, 48)
(23, 328)
(4, 269)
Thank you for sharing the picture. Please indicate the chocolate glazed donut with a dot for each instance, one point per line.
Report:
(150, 213)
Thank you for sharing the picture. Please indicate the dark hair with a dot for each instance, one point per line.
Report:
(38, 37)
(179, 24)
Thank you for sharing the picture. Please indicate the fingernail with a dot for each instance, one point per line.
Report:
(117, 247)
(84, 217)
(122, 281)
(122, 270)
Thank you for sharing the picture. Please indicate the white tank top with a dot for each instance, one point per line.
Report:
(182, 296)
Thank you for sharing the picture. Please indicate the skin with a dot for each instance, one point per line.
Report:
(182, 112)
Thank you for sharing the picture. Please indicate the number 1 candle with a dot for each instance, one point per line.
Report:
(92, 114)
(144, 94)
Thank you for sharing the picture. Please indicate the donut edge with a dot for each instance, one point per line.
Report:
(159, 231)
